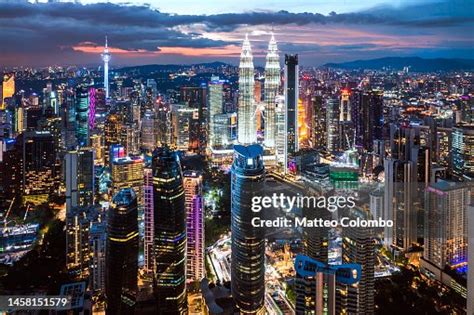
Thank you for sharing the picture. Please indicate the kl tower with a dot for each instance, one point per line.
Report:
(106, 59)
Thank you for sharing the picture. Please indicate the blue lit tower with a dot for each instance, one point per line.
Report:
(82, 115)
(122, 253)
(106, 59)
(248, 243)
(170, 232)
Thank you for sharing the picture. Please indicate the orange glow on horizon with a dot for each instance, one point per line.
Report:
(229, 50)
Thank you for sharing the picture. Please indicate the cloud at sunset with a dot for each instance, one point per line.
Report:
(68, 33)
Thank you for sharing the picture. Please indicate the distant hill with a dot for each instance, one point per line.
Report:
(416, 64)
(147, 69)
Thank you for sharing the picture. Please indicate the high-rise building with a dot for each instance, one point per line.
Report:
(463, 152)
(98, 241)
(187, 128)
(82, 115)
(215, 106)
(192, 182)
(106, 59)
(248, 243)
(368, 121)
(127, 172)
(8, 88)
(291, 101)
(358, 247)
(112, 132)
(40, 171)
(446, 224)
(272, 85)
(246, 119)
(148, 242)
(332, 125)
(122, 253)
(148, 134)
(280, 128)
(80, 178)
(170, 232)
(470, 270)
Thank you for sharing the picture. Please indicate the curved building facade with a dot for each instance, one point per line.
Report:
(248, 242)
(122, 253)
(170, 232)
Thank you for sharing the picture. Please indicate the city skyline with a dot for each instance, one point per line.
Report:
(140, 34)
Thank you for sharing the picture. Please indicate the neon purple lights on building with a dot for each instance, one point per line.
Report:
(91, 108)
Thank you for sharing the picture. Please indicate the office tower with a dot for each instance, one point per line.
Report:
(130, 138)
(332, 125)
(164, 126)
(225, 130)
(291, 101)
(463, 152)
(368, 120)
(187, 128)
(148, 241)
(470, 270)
(246, 119)
(148, 134)
(309, 299)
(40, 171)
(77, 242)
(96, 144)
(358, 247)
(319, 131)
(280, 128)
(80, 178)
(302, 125)
(92, 106)
(122, 253)
(192, 182)
(127, 172)
(196, 97)
(69, 118)
(334, 287)
(106, 59)
(215, 107)
(112, 132)
(8, 88)
(272, 84)
(170, 232)
(248, 243)
(446, 224)
(98, 241)
(345, 106)
(82, 115)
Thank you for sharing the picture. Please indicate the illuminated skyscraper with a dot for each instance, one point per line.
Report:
(192, 181)
(82, 115)
(332, 125)
(170, 232)
(358, 247)
(106, 59)
(248, 243)
(148, 246)
(78, 220)
(463, 152)
(247, 121)
(272, 84)
(122, 253)
(291, 101)
(80, 178)
(127, 172)
(97, 241)
(214, 106)
(446, 212)
(8, 88)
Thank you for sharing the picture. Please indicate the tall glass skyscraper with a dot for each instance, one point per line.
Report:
(170, 232)
(82, 115)
(122, 253)
(248, 242)
(247, 122)
(272, 83)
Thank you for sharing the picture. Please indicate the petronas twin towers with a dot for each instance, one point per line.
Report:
(247, 107)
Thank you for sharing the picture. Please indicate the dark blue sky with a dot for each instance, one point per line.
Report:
(187, 31)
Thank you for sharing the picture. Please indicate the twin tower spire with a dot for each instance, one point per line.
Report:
(247, 107)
